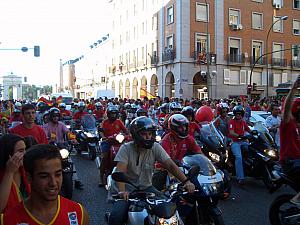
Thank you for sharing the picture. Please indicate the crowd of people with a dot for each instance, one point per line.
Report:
(31, 168)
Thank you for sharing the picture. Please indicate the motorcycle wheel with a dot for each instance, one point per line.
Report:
(276, 213)
(92, 152)
(67, 185)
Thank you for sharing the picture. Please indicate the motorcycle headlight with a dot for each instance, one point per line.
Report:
(158, 138)
(68, 126)
(120, 138)
(214, 157)
(270, 152)
(211, 188)
(88, 134)
(64, 153)
(171, 221)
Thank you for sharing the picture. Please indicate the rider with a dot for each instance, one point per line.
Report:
(141, 112)
(110, 128)
(57, 132)
(16, 116)
(290, 137)
(137, 159)
(237, 128)
(189, 113)
(98, 111)
(273, 122)
(63, 111)
(221, 122)
(81, 112)
(41, 108)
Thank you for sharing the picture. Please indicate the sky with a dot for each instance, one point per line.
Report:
(64, 29)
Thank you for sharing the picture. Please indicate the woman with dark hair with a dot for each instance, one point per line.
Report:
(13, 183)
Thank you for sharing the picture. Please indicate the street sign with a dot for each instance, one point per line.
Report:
(24, 49)
(181, 91)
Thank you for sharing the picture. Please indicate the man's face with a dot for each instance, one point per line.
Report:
(29, 116)
(47, 179)
(147, 135)
(55, 118)
(275, 111)
(238, 116)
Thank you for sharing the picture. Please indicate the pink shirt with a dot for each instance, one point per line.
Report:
(58, 129)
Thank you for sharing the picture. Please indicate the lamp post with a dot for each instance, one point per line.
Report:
(279, 19)
(207, 54)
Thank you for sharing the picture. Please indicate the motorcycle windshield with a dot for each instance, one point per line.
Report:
(211, 136)
(265, 138)
(88, 122)
(206, 166)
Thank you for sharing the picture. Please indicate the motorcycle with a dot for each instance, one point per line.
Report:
(201, 207)
(261, 155)
(147, 208)
(68, 170)
(67, 120)
(87, 136)
(282, 211)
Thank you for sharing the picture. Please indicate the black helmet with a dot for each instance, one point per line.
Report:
(141, 112)
(175, 106)
(140, 124)
(176, 121)
(163, 108)
(53, 112)
(42, 106)
(112, 113)
(188, 111)
(238, 109)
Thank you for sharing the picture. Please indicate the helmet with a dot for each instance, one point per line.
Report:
(53, 112)
(17, 111)
(141, 112)
(296, 107)
(127, 105)
(62, 105)
(81, 104)
(134, 107)
(176, 121)
(98, 105)
(140, 124)
(238, 109)
(188, 111)
(204, 114)
(175, 106)
(41, 106)
(221, 106)
(163, 108)
(112, 113)
(18, 104)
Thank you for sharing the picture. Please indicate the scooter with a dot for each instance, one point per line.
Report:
(87, 136)
(68, 170)
(147, 208)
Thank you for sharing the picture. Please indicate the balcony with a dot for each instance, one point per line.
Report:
(122, 68)
(262, 61)
(277, 62)
(154, 60)
(295, 63)
(141, 63)
(168, 55)
(201, 57)
(112, 69)
(235, 59)
(132, 65)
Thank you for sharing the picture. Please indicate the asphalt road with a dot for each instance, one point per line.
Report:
(247, 205)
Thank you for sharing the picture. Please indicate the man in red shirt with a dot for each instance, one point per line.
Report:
(78, 115)
(290, 137)
(28, 127)
(63, 112)
(237, 128)
(98, 112)
(189, 113)
(110, 128)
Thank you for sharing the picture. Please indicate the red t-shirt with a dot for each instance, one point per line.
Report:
(238, 126)
(78, 115)
(98, 113)
(289, 141)
(68, 212)
(193, 127)
(111, 128)
(176, 148)
(64, 113)
(36, 131)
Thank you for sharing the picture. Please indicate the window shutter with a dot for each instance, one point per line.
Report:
(264, 78)
(243, 77)
(284, 77)
(248, 77)
(226, 76)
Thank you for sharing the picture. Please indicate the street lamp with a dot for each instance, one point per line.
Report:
(279, 19)
(207, 54)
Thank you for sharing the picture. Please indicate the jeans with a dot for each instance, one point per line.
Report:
(236, 149)
(105, 146)
(119, 213)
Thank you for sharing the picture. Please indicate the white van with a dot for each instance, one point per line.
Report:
(105, 93)
(67, 98)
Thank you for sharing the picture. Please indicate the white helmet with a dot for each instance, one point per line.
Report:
(18, 104)
(62, 105)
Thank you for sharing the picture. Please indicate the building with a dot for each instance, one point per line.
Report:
(11, 85)
(189, 48)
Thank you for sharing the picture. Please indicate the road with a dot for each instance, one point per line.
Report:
(247, 205)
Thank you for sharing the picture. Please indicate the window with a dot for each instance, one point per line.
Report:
(201, 43)
(170, 42)
(234, 77)
(256, 49)
(296, 27)
(234, 46)
(278, 25)
(154, 22)
(296, 4)
(170, 15)
(276, 49)
(234, 16)
(261, 1)
(276, 79)
(202, 12)
(143, 53)
(257, 21)
(256, 78)
(295, 53)
(143, 28)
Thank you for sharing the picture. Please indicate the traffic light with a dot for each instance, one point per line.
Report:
(36, 51)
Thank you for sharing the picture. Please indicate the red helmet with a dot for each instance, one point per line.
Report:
(296, 107)
(204, 114)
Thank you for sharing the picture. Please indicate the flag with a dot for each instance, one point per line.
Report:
(43, 99)
(145, 93)
(59, 99)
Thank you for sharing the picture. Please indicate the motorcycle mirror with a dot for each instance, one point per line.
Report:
(122, 177)
(194, 171)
